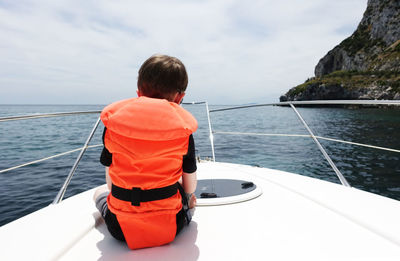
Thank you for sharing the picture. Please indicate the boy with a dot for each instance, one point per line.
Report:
(149, 158)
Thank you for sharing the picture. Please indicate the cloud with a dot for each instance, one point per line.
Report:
(234, 51)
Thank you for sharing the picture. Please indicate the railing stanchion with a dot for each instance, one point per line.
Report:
(61, 193)
(338, 173)
(211, 133)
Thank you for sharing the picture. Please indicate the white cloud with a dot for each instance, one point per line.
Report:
(235, 51)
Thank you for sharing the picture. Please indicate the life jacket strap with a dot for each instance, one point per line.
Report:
(138, 195)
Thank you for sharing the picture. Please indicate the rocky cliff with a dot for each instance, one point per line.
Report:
(366, 65)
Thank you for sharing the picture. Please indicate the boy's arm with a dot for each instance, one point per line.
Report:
(189, 176)
(108, 179)
(106, 160)
(189, 182)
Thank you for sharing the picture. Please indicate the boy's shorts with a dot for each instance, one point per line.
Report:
(112, 222)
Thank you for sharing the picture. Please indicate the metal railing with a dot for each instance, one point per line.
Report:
(315, 138)
(45, 115)
(61, 193)
(82, 150)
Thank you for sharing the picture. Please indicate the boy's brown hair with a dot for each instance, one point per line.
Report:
(162, 76)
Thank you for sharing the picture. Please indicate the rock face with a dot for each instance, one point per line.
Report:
(378, 30)
(371, 56)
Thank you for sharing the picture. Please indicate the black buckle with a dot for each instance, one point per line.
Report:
(135, 196)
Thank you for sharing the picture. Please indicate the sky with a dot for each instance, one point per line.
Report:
(235, 51)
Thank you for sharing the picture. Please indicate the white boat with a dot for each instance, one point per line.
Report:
(279, 216)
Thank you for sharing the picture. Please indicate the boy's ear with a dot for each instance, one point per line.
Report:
(138, 93)
(179, 97)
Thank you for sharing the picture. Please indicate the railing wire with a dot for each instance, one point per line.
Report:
(45, 115)
(47, 158)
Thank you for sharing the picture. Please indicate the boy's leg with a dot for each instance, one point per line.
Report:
(110, 219)
(180, 220)
(100, 191)
(101, 203)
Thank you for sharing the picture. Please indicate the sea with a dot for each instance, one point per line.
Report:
(29, 188)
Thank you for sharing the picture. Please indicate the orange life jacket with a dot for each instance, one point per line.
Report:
(147, 138)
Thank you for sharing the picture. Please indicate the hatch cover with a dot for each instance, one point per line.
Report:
(225, 191)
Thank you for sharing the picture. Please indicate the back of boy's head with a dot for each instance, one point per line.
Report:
(162, 76)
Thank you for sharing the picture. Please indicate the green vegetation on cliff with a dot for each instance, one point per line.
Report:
(353, 80)
(361, 41)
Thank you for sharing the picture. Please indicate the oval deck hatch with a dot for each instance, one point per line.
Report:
(225, 191)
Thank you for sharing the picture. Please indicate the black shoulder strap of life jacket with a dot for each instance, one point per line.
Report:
(137, 195)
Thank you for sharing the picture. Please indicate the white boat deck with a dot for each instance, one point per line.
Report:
(295, 218)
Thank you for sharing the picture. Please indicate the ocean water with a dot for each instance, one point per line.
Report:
(30, 188)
